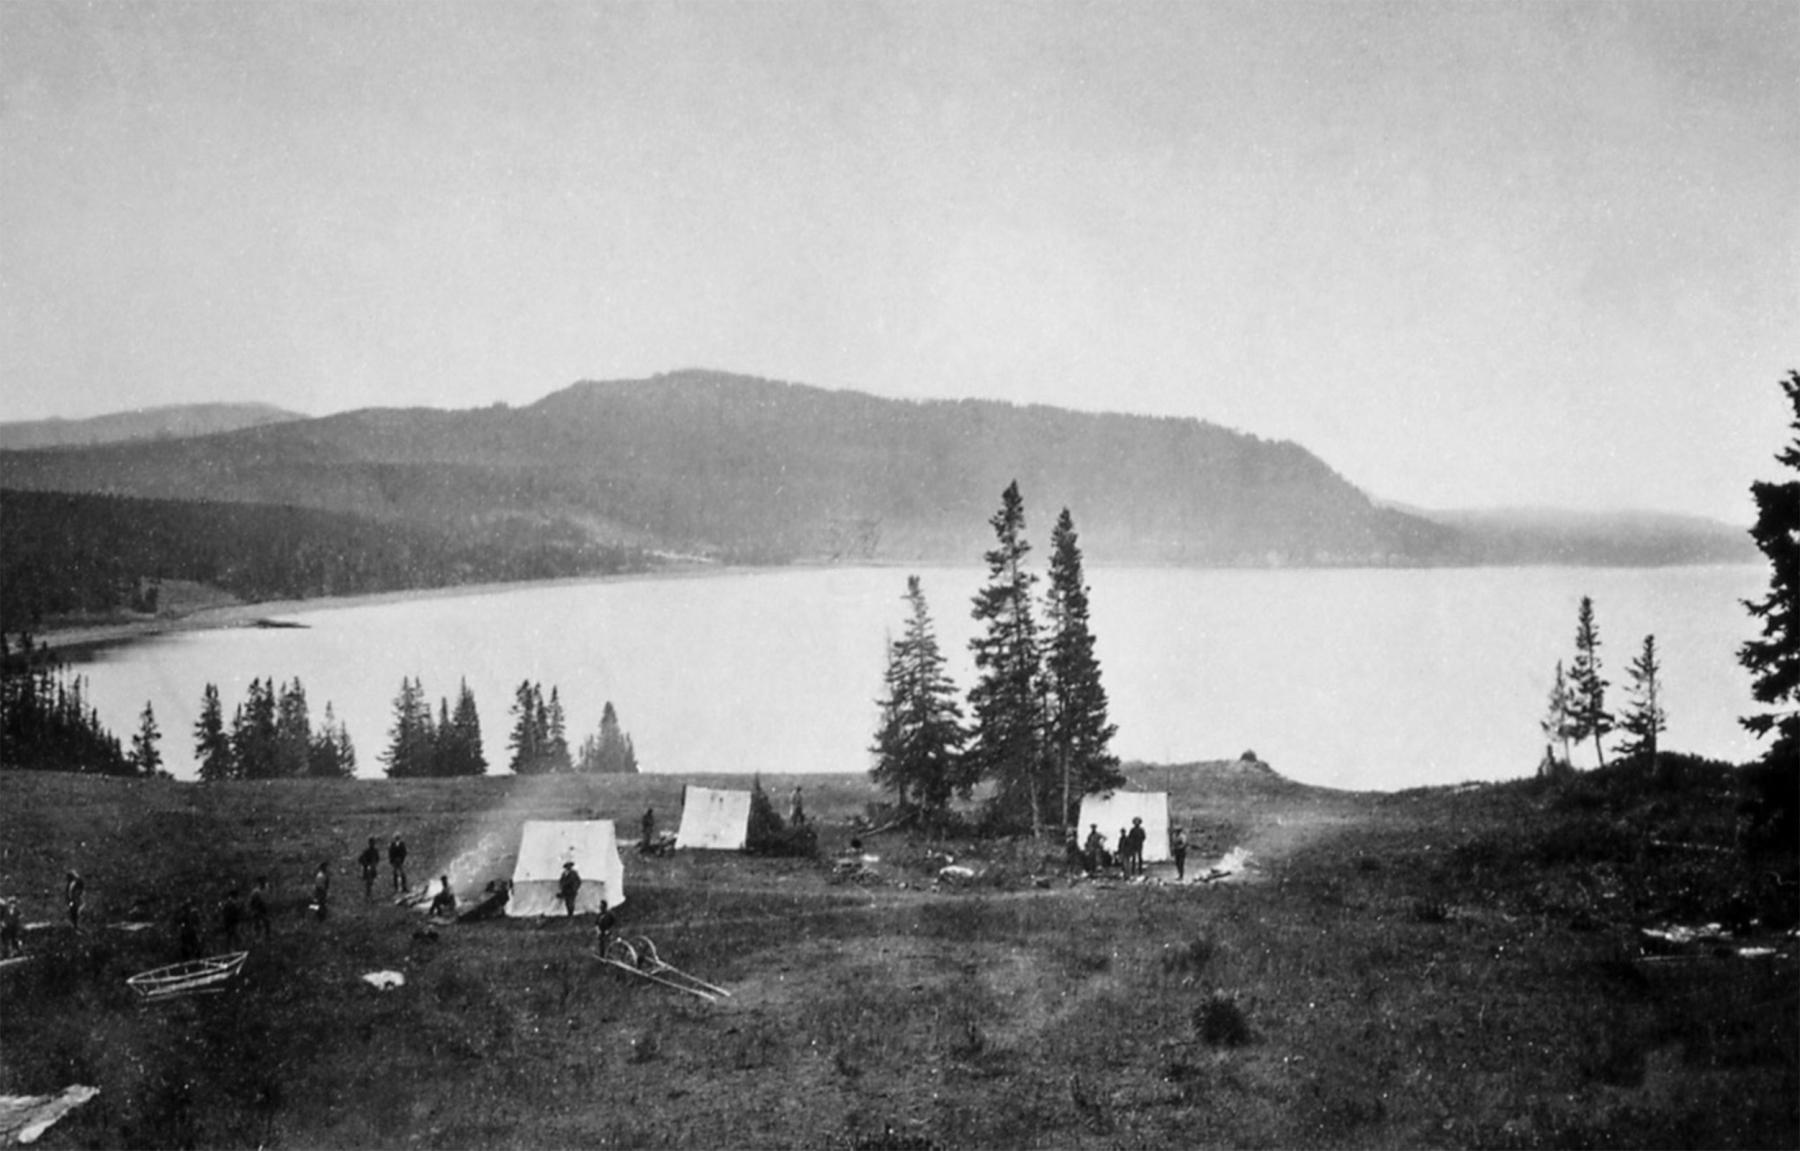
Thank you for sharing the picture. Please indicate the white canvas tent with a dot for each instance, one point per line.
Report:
(1116, 809)
(543, 848)
(718, 820)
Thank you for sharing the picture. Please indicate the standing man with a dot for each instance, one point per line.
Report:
(649, 827)
(604, 926)
(259, 908)
(370, 859)
(1178, 849)
(187, 931)
(568, 885)
(796, 809)
(75, 893)
(1094, 850)
(231, 913)
(321, 888)
(397, 861)
(1136, 835)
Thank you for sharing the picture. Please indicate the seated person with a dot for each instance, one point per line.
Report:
(444, 902)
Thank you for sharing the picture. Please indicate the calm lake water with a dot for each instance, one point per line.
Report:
(1357, 679)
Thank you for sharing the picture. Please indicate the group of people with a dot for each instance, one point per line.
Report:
(1092, 856)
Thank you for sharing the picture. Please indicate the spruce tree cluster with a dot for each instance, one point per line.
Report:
(423, 747)
(46, 722)
(271, 736)
(1038, 727)
(609, 750)
(539, 742)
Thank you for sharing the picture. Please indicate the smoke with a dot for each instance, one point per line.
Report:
(1236, 861)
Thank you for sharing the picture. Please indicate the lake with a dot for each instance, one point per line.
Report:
(1368, 679)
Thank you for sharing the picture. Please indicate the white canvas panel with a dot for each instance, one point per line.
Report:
(719, 820)
(1116, 809)
(545, 845)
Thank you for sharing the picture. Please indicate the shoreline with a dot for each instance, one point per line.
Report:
(268, 613)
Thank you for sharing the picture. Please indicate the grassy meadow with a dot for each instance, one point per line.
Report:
(1442, 968)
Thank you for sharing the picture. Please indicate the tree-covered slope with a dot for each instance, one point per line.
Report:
(748, 468)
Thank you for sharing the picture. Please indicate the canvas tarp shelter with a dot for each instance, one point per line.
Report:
(713, 819)
(543, 848)
(1116, 809)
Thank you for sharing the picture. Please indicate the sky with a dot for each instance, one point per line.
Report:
(1471, 255)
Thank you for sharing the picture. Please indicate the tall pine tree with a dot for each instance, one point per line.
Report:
(1645, 719)
(212, 747)
(462, 753)
(1774, 659)
(1079, 731)
(293, 731)
(918, 747)
(331, 755)
(253, 732)
(145, 758)
(556, 736)
(529, 734)
(1007, 699)
(1558, 724)
(609, 750)
(411, 740)
(1587, 691)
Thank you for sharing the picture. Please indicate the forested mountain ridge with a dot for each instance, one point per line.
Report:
(166, 422)
(744, 468)
(753, 470)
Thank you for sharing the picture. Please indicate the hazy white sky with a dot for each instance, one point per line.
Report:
(1470, 254)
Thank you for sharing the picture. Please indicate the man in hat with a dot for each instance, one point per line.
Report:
(370, 861)
(397, 861)
(568, 885)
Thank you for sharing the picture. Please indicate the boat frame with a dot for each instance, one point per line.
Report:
(207, 976)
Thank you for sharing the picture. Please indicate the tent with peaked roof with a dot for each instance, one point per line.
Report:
(1116, 809)
(713, 819)
(544, 846)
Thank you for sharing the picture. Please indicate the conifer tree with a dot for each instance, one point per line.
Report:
(918, 747)
(212, 747)
(556, 736)
(145, 758)
(1587, 691)
(293, 731)
(331, 755)
(1773, 660)
(1645, 719)
(253, 732)
(609, 750)
(1557, 723)
(463, 752)
(1079, 731)
(411, 739)
(1007, 699)
(527, 737)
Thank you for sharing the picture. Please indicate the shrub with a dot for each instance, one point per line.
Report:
(1189, 958)
(1220, 1022)
(767, 834)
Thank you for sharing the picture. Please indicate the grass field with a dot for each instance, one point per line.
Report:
(1440, 968)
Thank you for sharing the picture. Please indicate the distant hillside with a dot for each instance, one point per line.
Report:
(169, 422)
(1618, 539)
(744, 468)
(67, 554)
(750, 470)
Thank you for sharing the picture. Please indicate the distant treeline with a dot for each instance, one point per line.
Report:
(63, 553)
